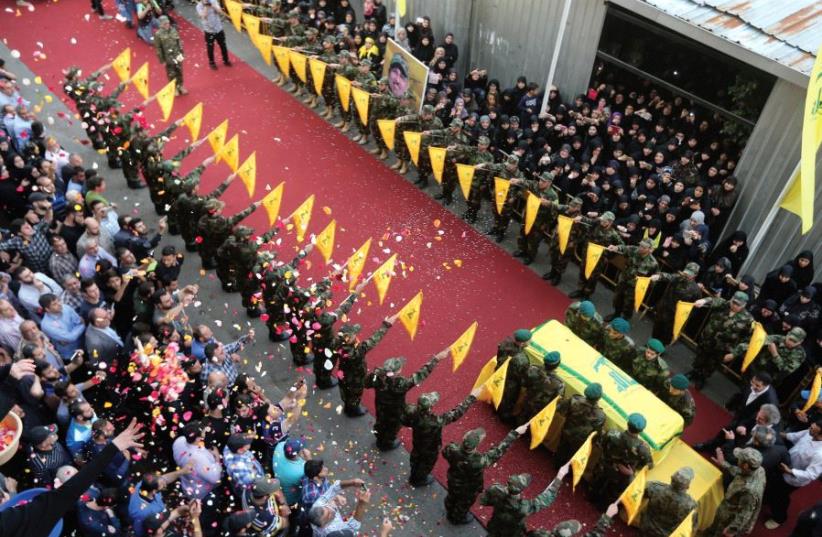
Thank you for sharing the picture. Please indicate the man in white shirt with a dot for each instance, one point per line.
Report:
(805, 468)
(325, 515)
(93, 254)
(206, 468)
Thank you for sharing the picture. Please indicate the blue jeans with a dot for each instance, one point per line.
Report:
(127, 9)
(146, 33)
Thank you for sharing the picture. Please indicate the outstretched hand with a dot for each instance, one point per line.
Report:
(563, 471)
(129, 437)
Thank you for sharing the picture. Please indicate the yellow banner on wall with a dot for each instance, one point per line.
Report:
(642, 284)
(564, 225)
(298, 62)
(409, 315)
(594, 252)
(437, 155)
(317, 68)
(343, 91)
(413, 140)
(325, 240)
(465, 175)
(281, 54)
(387, 129)
(532, 205)
(501, 187)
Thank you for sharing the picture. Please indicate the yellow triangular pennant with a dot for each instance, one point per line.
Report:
(564, 225)
(281, 54)
(194, 120)
(235, 12)
(361, 98)
(252, 26)
(413, 140)
(382, 277)
(816, 388)
(465, 174)
(531, 210)
(165, 98)
(437, 155)
(298, 62)
(542, 422)
(642, 284)
(248, 173)
(325, 240)
(356, 263)
(409, 315)
(484, 374)
(501, 187)
(343, 91)
(301, 217)
(594, 252)
(271, 203)
(317, 68)
(122, 65)
(631, 498)
(216, 138)
(683, 311)
(263, 44)
(686, 527)
(460, 348)
(580, 460)
(387, 128)
(495, 385)
(140, 80)
(230, 153)
(754, 345)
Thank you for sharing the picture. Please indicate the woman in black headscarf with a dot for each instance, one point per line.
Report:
(803, 269)
(778, 285)
(735, 248)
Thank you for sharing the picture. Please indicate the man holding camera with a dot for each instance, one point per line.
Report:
(209, 12)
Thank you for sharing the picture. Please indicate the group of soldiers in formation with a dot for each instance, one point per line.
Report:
(302, 316)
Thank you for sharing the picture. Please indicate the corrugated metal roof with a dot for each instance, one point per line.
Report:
(786, 31)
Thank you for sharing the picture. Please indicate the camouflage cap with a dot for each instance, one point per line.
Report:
(575, 202)
(392, 365)
(512, 159)
(330, 39)
(593, 391)
(163, 19)
(427, 401)
(518, 482)
(607, 216)
(646, 243)
(484, 140)
(365, 62)
(294, 13)
(214, 205)
(473, 438)
(243, 231)
(750, 456)
(691, 269)
(383, 81)
(350, 329)
(427, 109)
(797, 334)
(740, 298)
(566, 528)
(456, 123)
(683, 477)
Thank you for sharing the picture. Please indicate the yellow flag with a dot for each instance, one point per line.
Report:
(816, 387)
(799, 199)
(754, 345)
(271, 203)
(252, 26)
(165, 98)
(580, 459)
(631, 498)
(356, 263)
(263, 44)
(235, 12)
(460, 348)
(531, 210)
(413, 140)
(437, 155)
(281, 54)
(409, 315)
(317, 68)
(194, 120)
(230, 153)
(382, 277)
(564, 225)
(683, 311)
(361, 98)
(301, 217)
(325, 240)
(542, 422)
(484, 374)
(343, 91)
(216, 138)
(248, 173)
(501, 187)
(592, 258)
(140, 80)
(387, 127)
(495, 385)
(122, 65)
(465, 174)
(686, 527)
(298, 62)
(642, 284)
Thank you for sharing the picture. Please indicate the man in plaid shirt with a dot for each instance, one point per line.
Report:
(241, 466)
(314, 484)
(62, 262)
(32, 242)
(217, 359)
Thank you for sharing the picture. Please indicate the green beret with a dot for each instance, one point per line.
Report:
(607, 216)
(656, 345)
(621, 325)
(679, 382)
(797, 334)
(522, 335)
(551, 358)
(637, 422)
(392, 365)
(691, 269)
(587, 308)
(748, 455)
(350, 329)
(593, 391)
(428, 401)
(740, 297)
(473, 438)
(519, 482)
(484, 140)
(566, 528)
(646, 243)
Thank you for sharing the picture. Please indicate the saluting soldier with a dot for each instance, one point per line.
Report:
(513, 349)
(542, 187)
(466, 470)
(131, 160)
(279, 283)
(190, 207)
(639, 261)
(668, 504)
(559, 260)
(176, 186)
(584, 321)
(780, 355)
(426, 432)
(213, 228)
(682, 286)
(226, 258)
(582, 417)
(649, 369)
(390, 388)
(247, 277)
(542, 385)
(424, 121)
(679, 398)
(617, 346)
(169, 50)
(601, 231)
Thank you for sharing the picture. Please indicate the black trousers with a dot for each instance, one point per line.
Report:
(778, 498)
(220, 38)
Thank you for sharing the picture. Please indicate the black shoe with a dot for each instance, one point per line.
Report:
(556, 279)
(173, 229)
(228, 288)
(424, 483)
(702, 447)
(227, 63)
(328, 384)
(213, 66)
(527, 260)
(355, 412)
(439, 197)
(448, 200)
(129, 25)
(548, 276)
(519, 253)
(579, 293)
(389, 447)
(491, 231)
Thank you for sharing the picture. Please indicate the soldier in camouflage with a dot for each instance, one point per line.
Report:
(131, 158)
(559, 260)
(91, 105)
(617, 346)
(668, 504)
(739, 509)
(542, 187)
(584, 321)
(583, 416)
(428, 123)
(623, 454)
(169, 50)
(279, 284)
(390, 388)
(176, 186)
(366, 81)
(649, 369)
(426, 432)
(190, 207)
(511, 509)
(346, 69)
(569, 528)
(350, 353)
(542, 385)
(681, 286)
(602, 232)
(507, 170)
(383, 105)
(466, 470)
(159, 173)
(226, 258)
(328, 55)
(728, 325)
(513, 349)
(478, 190)
(451, 138)
(424, 121)
(213, 228)
(780, 355)
(248, 278)
(306, 305)
(679, 398)
(639, 261)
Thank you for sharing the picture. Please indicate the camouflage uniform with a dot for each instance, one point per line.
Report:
(466, 470)
(528, 245)
(390, 398)
(668, 505)
(619, 350)
(582, 417)
(306, 309)
(786, 361)
(559, 261)
(683, 403)
(588, 329)
(349, 72)
(366, 82)
(169, 50)
(650, 373)
(514, 379)
(159, 175)
(541, 387)
(723, 331)
(424, 161)
(426, 431)
(680, 287)
(383, 105)
(617, 447)
(322, 343)
(214, 228)
(248, 279)
(507, 170)
(138, 146)
(743, 498)
(351, 359)
(479, 184)
(604, 236)
(452, 138)
(636, 264)
(190, 207)
(418, 123)
(511, 509)
(176, 186)
(278, 286)
(572, 527)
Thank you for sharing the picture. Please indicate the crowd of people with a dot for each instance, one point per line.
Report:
(94, 329)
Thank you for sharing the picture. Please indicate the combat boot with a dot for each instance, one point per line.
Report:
(363, 139)
(383, 154)
(346, 126)
(396, 165)
(356, 138)
(375, 150)
(403, 168)
(339, 124)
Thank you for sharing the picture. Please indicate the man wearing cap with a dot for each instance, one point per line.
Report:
(213, 229)
(466, 470)
(289, 467)
(265, 499)
(545, 220)
(639, 261)
(677, 396)
(570, 528)
(242, 467)
(737, 513)
(452, 138)
(513, 349)
(280, 285)
(425, 120)
(382, 105)
(46, 454)
(351, 353)
(681, 286)
(511, 509)
(426, 432)
(617, 345)
(169, 50)
(623, 454)
(190, 207)
(327, 55)
(235, 262)
(649, 369)
(478, 189)
(345, 67)
(668, 504)
(601, 231)
(542, 385)
(390, 388)
(559, 260)
(429, 122)
(583, 416)
(729, 324)
(780, 355)
(366, 81)
(584, 321)
(508, 169)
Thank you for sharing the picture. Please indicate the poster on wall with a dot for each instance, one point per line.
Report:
(404, 73)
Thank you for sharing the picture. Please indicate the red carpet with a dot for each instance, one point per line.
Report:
(464, 277)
